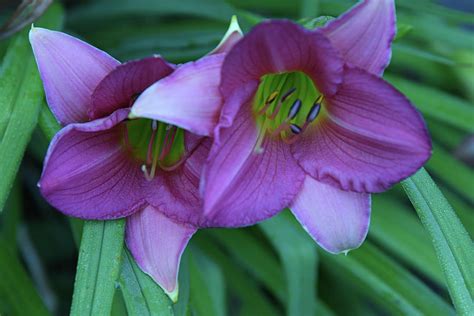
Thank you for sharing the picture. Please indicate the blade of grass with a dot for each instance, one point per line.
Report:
(18, 296)
(385, 282)
(437, 104)
(297, 252)
(452, 172)
(21, 95)
(98, 267)
(206, 285)
(183, 307)
(248, 291)
(400, 232)
(452, 243)
(141, 294)
(11, 217)
(251, 253)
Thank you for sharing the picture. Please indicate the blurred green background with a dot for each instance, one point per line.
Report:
(273, 268)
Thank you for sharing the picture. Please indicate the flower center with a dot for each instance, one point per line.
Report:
(155, 144)
(285, 105)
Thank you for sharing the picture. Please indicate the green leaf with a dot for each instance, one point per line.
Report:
(251, 253)
(21, 95)
(409, 241)
(451, 241)
(98, 267)
(182, 307)
(206, 285)
(17, 293)
(402, 30)
(11, 216)
(437, 104)
(141, 294)
(297, 252)
(384, 281)
(244, 287)
(451, 171)
(98, 11)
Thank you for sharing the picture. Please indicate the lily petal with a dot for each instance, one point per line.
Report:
(70, 70)
(282, 46)
(231, 37)
(88, 174)
(176, 193)
(370, 138)
(128, 80)
(240, 186)
(364, 34)
(188, 98)
(337, 220)
(157, 243)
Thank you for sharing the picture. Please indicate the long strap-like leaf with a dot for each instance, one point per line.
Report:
(452, 243)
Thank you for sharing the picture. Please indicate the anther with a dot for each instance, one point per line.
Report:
(313, 112)
(268, 102)
(295, 129)
(272, 97)
(288, 94)
(294, 109)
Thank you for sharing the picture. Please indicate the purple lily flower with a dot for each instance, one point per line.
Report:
(309, 124)
(106, 163)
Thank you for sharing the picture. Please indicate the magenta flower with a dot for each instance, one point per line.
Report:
(309, 124)
(107, 164)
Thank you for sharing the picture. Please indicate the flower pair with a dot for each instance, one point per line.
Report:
(281, 117)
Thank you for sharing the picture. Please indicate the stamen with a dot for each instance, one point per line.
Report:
(168, 143)
(149, 155)
(288, 94)
(268, 102)
(315, 109)
(272, 96)
(292, 113)
(294, 109)
(295, 129)
(280, 103)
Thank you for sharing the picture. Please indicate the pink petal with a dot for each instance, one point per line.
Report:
(231, 37)
(364, 34)
(157, 243)
(337, 220)
(70, 70)
(370, 138)
(88, 174)
(118, 89)
(241, 186)
(189, 97)
(282, 46)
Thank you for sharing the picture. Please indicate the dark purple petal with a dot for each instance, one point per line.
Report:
(70, 70)
(188, 98)
(364, 34)
(242, 187)
(282, 46)
(157, 243)
(176, 193)
(337, 220)
(119, 88)
(370, 138)
(88, 174)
